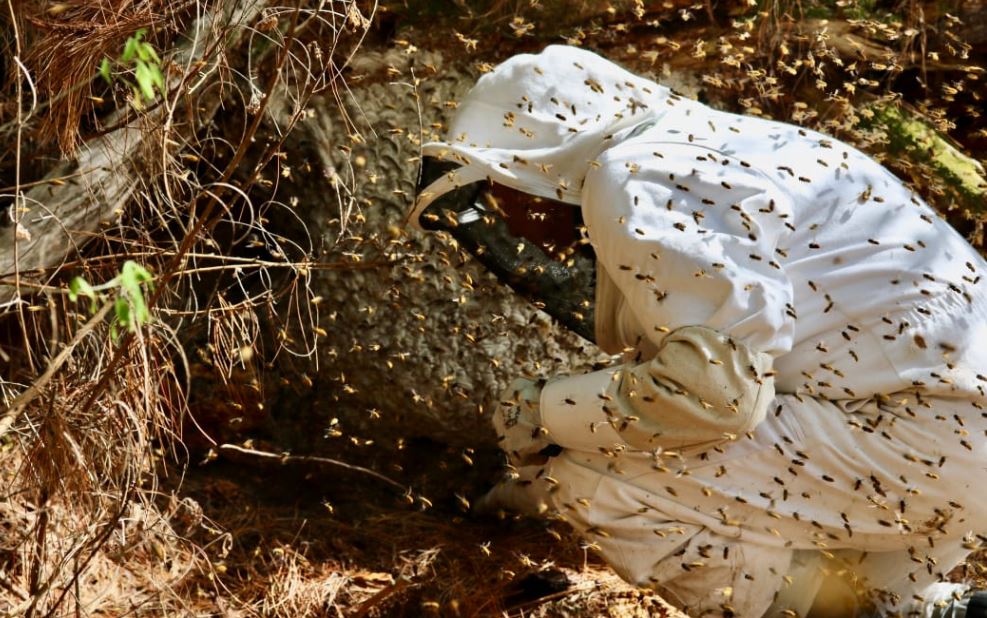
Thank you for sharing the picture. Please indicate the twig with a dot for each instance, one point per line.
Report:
(18, 193)
(234, 262)
(96, 545)
(554, 596)
(202, 221)
(286, 458)
(54, 180)
(111, 181)
(38, 556)
(29, 395)
(380, 596)
(7, 585)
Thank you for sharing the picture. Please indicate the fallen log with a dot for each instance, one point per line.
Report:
(910, 134)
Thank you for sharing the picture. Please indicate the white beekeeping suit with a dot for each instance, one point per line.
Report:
(805, 343)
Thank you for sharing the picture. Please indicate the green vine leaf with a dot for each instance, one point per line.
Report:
(139, 67)
(130, 310)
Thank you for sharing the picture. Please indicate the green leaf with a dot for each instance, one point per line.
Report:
(142, 52)
(80, 287)
(135, 272)
(139, 313)
(104, 70)
(157, 78)
(132, 275)
(122, 309)
(129, 50)
(144, 80)
(137, 101)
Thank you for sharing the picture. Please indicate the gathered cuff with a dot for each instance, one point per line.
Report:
(572, 411)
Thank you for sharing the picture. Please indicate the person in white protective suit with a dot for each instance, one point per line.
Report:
(805, 345)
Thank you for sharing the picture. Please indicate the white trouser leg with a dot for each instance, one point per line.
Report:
(713, 576)
(943, 600)
(812, 476)
(909, 584)
(692, 567)
(527, 494)
(795, 597)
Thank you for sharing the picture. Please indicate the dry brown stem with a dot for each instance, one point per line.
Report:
(84, 441)
(233, 451)
(24, 399)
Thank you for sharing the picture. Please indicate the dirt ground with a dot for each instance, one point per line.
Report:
(313, 539)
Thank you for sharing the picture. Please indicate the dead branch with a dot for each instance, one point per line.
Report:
(285, 458)
(36, 388)
(57, 216)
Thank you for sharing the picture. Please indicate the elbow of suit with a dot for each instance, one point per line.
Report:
(732, 381)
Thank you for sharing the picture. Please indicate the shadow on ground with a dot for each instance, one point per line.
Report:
(315, 540)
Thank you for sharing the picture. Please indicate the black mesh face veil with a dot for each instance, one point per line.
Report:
(564, 288)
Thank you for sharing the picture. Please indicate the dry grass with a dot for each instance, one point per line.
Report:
(92, 418)
(64, 40)
(370, 553)
(80, 480)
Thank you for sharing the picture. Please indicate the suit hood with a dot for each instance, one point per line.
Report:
(537, 122)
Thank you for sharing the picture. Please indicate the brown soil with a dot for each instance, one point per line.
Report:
(306, 540)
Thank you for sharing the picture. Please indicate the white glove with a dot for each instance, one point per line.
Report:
(518, 423)
(525, 492)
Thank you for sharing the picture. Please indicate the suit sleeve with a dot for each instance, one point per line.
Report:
(693, 240)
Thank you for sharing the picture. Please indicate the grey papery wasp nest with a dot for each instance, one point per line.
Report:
(420, 336)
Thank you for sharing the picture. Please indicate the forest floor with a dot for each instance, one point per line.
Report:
(313, 540)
